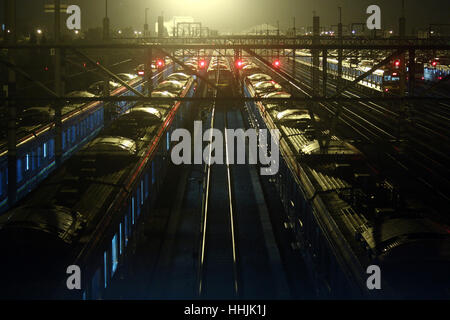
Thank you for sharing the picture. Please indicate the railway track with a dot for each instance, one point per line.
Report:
(376, 123)
(238, 255)
(218, 266)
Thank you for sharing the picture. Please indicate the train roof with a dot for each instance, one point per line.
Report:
(111, 145)
(58, 221)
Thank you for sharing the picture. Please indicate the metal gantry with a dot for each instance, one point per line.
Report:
(254, 45)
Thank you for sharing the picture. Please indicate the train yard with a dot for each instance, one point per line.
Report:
(225, 167)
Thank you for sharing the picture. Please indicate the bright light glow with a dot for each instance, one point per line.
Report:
(120, 31)
(202, 64)
(276, 63)
(39, 31)
(141, 73)
(76, 32)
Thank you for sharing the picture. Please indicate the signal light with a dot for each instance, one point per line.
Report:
(434, 63)
(202, 64)
(239, 64)
(160, 63)
(397, 63)
(276, 63)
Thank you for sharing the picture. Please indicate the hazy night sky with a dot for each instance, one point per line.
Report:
(237, 15)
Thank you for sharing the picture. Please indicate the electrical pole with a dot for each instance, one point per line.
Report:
(59, 86)
(146, 33)
(107, 78)
(10, 92)
(106, 23)
(340, 53)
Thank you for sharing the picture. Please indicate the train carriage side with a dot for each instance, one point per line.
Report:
(36, 151)
(119, 197)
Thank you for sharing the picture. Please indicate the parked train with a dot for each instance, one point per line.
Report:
(436, 70)
(86, 212)
(385, 79)
(36, 138)
(345, 218)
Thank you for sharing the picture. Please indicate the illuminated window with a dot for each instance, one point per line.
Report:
(114, 255)
(167, 141)
(126, 229)
(19, 170)
(105, 269)
(121, 238)
(45, 149)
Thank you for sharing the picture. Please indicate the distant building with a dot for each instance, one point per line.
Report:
(171, 25)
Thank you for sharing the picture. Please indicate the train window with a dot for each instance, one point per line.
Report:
(146, 186)
(153, 172)
(105, 268)
(121, 238)
(63, 142)
(132, 210)
(19, 170)
(52, 148)
(114, 255)
(138, 201)
(95, 286)
(45, 150)
(142, 192)
(27, 162)
(38, 157)
(33, 160)
(126, 224)
(167, 141)
(73, 134)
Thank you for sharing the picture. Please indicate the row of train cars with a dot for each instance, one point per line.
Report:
(344, 217)
(386, 79)
(86, 212)
(80, 123)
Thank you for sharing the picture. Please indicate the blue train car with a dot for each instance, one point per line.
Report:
(95, 202)
(344, 218)
(36, 149)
